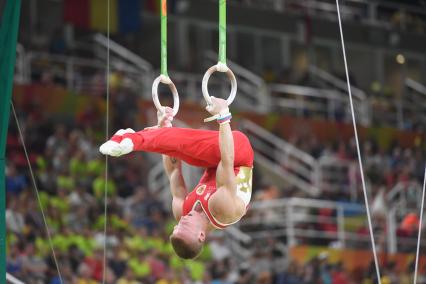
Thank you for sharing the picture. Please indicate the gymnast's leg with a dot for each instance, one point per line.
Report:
(196, 147)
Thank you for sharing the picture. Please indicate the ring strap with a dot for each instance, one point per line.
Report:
(164, 38)
(164, 76)
(218, 117)
(222, 31)
(211, 118)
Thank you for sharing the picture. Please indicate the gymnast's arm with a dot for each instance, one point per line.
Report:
(225, 176)
(173, 168)
(225, 205)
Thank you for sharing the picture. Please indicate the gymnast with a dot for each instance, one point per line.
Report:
(223, 193)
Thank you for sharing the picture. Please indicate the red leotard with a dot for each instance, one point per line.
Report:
(199, 148)
(207, 187)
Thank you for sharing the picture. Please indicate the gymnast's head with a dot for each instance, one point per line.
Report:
(189, 235)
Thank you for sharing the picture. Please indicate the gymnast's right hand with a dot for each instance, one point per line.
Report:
(165, 117)
(117, 146)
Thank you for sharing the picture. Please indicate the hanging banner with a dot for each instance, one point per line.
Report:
(9, 26)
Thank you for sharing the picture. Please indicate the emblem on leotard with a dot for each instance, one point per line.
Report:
(200, 189)
(244, 179)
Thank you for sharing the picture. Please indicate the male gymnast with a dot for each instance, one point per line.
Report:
(221, 197)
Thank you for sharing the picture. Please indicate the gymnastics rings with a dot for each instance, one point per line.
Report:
(167, 81)
(220, 67)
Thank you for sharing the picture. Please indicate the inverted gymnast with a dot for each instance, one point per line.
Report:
(221, 197)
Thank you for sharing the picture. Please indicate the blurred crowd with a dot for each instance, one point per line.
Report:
(383, 167)
(70, 176)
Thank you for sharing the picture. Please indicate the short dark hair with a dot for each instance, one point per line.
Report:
(185, 249)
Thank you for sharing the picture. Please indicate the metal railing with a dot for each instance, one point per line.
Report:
(330, 102)
(158, 182)
(406, 110)
(405, 195)
(124, 53)
(124, 57)
(361, 104)
(311, 221)
(12, 279)
(298, 220)
(413, 106)
(78, 74)
(304, 101)
(334, 177)
(336, 82)
(295, 166)
(237, 241)
(410, 83)
(83, 74)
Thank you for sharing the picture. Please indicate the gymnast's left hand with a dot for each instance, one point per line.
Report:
(117, 146)
(218, 106)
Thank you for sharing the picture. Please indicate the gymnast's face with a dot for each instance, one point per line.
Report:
(191, 227)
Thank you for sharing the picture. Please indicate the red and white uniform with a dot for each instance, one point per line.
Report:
(200, 148)
(207, 187)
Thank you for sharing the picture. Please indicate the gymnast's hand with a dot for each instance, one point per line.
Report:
(164, 118)
(218, 106)
(117, 146)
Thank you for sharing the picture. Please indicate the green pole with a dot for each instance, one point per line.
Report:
(222, 31)
(164, 38)
(8, 36)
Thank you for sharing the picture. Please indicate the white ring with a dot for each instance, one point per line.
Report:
(165, 80)
(220, 67)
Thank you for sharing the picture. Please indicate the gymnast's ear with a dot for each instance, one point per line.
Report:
(202, 236)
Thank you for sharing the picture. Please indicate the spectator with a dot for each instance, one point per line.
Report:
(15, 261)
(338, 274)
(15, 221)
(15, 182)
(33, 265)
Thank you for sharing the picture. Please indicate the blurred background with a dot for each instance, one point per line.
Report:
(307, 221)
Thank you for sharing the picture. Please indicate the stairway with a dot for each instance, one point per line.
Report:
(281, 161)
